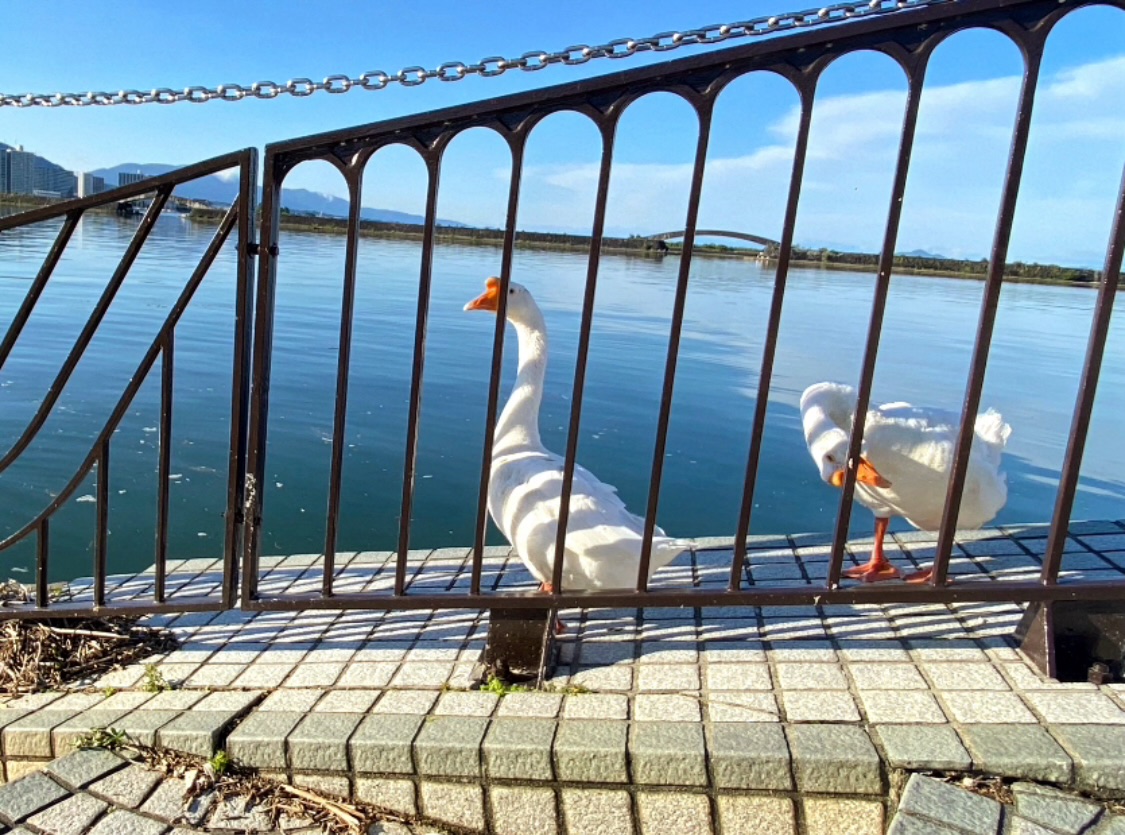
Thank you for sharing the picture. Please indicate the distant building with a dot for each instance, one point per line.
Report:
(17, 171)
(89, 184)
(22, 172)
(127, 179)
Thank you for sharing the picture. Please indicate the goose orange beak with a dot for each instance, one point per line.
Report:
(867, 474)
(489, 299)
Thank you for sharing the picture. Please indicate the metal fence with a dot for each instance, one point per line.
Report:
(237, 220)
(909, 38)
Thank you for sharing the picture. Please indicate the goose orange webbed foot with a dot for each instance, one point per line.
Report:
(923, 576)
(560, 627)
(873, 572)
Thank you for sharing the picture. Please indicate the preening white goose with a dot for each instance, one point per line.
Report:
(603, 539)
(906, 456)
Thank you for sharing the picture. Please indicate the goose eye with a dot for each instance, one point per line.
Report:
(512, 291)
(830, 458)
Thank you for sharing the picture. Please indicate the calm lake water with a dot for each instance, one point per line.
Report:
(1036, 357)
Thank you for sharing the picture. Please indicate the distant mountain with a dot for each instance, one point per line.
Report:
(217, 189)
(920, 253)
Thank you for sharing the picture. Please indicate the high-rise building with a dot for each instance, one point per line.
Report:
(51, 180)
(88, 184)
(128, 178)
(22, 172)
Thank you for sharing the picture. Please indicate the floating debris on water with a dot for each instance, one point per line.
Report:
(89, 497)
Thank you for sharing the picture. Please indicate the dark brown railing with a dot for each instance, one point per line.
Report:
(238, 219)
(909, 38)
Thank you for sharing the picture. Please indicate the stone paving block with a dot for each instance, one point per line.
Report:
(749, 756)
(819, 706)
(290, 701)
(797, 676)
(71, 816)
(229, 701)
(347, 701)
(532, 704)
(689, 814)
(127, 787)
(891, 706)
(122, 822)
(384, 744)
(591, 751)
(338, 786)
(912, 747)
(834, 759)
(828, 816)
(519, 749)
(406, 701)
(739, 676)
(668, 754)
(992, 708)
(457, 803)
(1096, 749)
(173, 700)
(674, 677)
(523, 811)
(959, 675)
(469, 703)
(1054, 809)
(24, 797)
(651, 707)
(873, 676)
(320, 742)
(904, 824)
(22, 768)
(596, 706)
(449, 746)
(597, 812)
(1111, 826)
(396, 795)
(1076, 708)
(143, 724)
(948, 804)
(1017, 751)
(195, 732)
(742, 707)
(30, 736)
(259, 740)
(169, 804)
(65, 735)
(80, 769)
(368, 674)
(756, 815)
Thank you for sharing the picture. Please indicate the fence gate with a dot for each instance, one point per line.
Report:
(153, 590)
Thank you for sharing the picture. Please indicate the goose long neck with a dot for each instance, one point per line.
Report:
(827, 410)
(518, 425)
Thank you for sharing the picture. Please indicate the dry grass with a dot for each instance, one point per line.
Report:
(278, 800)
(46, 654)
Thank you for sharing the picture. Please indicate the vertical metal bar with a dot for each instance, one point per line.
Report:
(101, 531)
(425, 274)
(164, 467)
(517, 144)
(240, 374)
(1084, 400)
(769, 349)
(343, 365)
(608, 133)
(36, 289)
(916, 75)
(1033, 56)
(42, 555)
(704, 110)
(260, 389)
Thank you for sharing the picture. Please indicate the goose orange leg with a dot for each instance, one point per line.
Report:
(560, 627)
(877, 568)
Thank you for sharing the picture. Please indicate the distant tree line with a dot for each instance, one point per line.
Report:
(1017, 269)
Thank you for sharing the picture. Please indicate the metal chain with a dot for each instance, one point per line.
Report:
(487, 68)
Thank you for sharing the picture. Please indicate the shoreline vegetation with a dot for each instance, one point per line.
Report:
(637, 245)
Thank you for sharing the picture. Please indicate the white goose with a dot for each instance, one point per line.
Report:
(904, 469)
(603, 539)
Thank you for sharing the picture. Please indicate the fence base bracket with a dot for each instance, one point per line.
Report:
(1075, 640)
(521, 646)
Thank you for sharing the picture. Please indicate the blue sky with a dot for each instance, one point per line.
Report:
(1073, 169)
